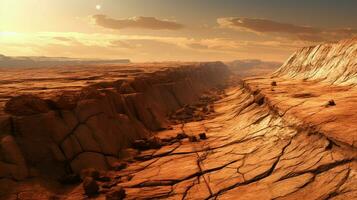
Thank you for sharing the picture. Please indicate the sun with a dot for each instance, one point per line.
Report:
(98, 7)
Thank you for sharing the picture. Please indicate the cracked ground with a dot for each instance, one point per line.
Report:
(255, 149)
(251, 153)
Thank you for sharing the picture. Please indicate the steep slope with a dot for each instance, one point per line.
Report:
(89, 128)
(331, 62)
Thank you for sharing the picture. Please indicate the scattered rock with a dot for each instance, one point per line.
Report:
(330, 103)
(90, 186)
(181, 136)
(104, 179)
(70, 179)
(203, 136)
(273, 83)
(118, 193)
(126, 178)
(168, 140)
(90, 172)
(117, 166)
(145, 144)
(108, 185)
(199, 110)
(193, 138)
(140, 144)
(154, 143)
(259, 99)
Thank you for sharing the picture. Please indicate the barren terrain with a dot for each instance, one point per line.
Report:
(187, 131)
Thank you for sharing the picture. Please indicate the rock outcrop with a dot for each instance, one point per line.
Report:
(277, 137)
(89, 128)
(331, 62)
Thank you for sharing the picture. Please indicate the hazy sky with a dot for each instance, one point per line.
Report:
(157, 30)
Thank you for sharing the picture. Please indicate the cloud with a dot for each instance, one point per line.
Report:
(64, 39)
(136, 22)
(141, 47)
(292, 31)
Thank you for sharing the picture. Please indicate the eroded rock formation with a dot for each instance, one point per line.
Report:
(90, 127)
(278, 137)
(330, 62)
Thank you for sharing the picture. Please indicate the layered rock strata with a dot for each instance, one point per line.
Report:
(329, 62)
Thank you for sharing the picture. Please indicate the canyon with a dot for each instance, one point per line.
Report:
(184, 131)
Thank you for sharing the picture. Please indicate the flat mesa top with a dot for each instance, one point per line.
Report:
(46, 82)
(310, 102)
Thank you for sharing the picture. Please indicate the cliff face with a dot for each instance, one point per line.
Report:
(90, 128)
(334, 63)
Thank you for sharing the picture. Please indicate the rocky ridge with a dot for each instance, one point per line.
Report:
(268, 138)
(334, 63)
(89, 128)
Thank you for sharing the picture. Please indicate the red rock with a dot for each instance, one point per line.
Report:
(90, 172)
(193, 138)
(26, 105)
(331, 103)
(126, 88)
(181, 136)
(117, 193)
(90, 186)
(203, 136)
(119, 166)
(66, 100)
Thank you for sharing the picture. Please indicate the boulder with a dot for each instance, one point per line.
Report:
(330, 103)
(181, 136)
(117, 166)
(90, 186)
(117, 193)
(192, 138)
(203, 136)
(140, 145)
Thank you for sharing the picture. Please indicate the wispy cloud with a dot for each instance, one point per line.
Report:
(136, 22)
(140, 47)
(291, 31)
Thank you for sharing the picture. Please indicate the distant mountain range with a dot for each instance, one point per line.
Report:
(6, 61)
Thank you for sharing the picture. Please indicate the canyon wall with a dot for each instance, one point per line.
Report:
(329, 62)
(89, 128)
